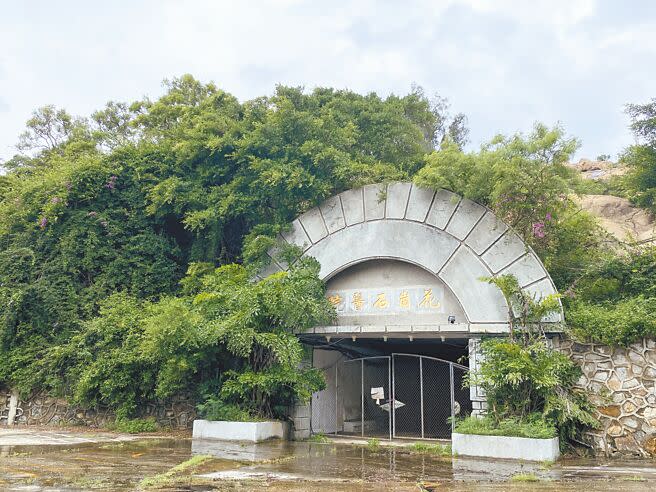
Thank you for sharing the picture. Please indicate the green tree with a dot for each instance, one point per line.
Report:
(114, 126)
(526, 311)
(526, 182)
(641, 158)
(523, 178)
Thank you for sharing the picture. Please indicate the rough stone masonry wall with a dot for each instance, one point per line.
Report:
(622, 384)
(41, 409)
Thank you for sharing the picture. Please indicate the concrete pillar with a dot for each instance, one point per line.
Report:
(476, 393)
(13, 407)
(301, 413)
(300, 417)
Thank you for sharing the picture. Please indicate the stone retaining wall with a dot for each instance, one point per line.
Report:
(622, 384)
(41, 409)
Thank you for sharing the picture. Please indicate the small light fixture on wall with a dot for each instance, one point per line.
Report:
(451, 319)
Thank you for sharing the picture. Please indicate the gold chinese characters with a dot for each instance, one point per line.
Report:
(357, 301)
(387, 300)
(381, 301)
(428, 301)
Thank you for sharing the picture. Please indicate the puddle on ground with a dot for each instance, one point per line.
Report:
(393, 467)
(105, 465)
(300, 466)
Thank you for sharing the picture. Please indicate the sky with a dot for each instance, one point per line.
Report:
(505, 64)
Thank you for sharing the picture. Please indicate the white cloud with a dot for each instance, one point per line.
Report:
(537, 12)
(504, 63)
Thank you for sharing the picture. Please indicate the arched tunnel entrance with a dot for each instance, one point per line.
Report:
(404, 267)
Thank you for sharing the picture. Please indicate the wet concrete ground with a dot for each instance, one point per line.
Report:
(35, 460)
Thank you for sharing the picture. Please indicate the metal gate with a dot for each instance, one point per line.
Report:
(357, 413)
(396, 396)
(428, 394)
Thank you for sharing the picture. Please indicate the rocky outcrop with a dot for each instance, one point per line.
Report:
(598, 170)
(620, 218)
(621, 382)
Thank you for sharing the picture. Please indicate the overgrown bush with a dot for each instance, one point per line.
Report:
(525, 179)
(523, 378)
(614, 323)
(225, 339)
(256, 322)
(615, 302)
(214, 408)
(106, 213)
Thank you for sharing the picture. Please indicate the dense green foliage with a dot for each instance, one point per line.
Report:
(100, 218)
(214, 408)
(615, 302)
(608, 289)
(525, 180)
(225, 336)
(529, 381)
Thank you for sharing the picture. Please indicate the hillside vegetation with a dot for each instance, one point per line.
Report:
(128, 238)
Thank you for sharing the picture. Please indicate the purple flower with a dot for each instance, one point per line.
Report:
(111, 184)
(548, 216)
(43, 222)
(538, 230)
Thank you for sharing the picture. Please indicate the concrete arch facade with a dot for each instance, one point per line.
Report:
(455, 239)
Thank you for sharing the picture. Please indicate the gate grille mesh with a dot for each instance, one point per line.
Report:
(437, 399)
(377, 420)
(407, 390)
(418, 395)
(349, 397)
